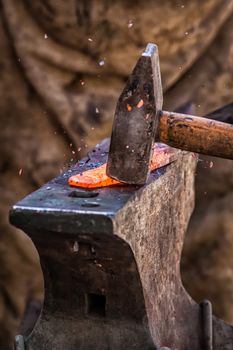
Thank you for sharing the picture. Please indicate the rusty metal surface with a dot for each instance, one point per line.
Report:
(134, 123)
(112, 266)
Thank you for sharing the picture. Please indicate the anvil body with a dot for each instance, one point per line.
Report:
(111, 262)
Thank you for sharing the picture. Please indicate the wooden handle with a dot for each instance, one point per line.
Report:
(196, 134)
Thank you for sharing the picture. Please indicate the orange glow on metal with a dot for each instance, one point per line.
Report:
(97, 177)
(129, 108)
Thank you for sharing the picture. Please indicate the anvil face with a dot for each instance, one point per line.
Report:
(58, 204)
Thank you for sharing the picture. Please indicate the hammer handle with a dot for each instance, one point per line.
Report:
(196, 134)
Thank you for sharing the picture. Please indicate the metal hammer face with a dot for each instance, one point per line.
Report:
(135, 121)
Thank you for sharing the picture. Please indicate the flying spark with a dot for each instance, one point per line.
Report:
(130, 23)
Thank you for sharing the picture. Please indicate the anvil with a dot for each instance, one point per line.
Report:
(111, 264)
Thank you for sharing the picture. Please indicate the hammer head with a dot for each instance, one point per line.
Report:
(136, 121)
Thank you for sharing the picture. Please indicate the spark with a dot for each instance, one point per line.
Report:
(20, 171)
(102, 63)
(46, 36)
(97, 264)
(97, 110)
(130, 23)
(211, 164)
(75, 247)
(140, 104)
(90, 39)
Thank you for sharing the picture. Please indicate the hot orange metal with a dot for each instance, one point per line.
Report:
(97, 177)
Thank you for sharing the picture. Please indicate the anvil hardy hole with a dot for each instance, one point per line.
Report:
(83, 194)
(90, 205)
(96, 304)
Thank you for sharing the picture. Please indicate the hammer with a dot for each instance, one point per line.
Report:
(139, 121)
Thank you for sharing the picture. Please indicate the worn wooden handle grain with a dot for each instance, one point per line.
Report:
(196, 134)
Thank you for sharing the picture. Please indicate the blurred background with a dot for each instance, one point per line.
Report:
(63, 65)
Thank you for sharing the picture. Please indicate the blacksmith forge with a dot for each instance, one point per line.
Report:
(111, 263)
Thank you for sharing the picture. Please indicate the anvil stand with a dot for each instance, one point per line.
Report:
(111, 264)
